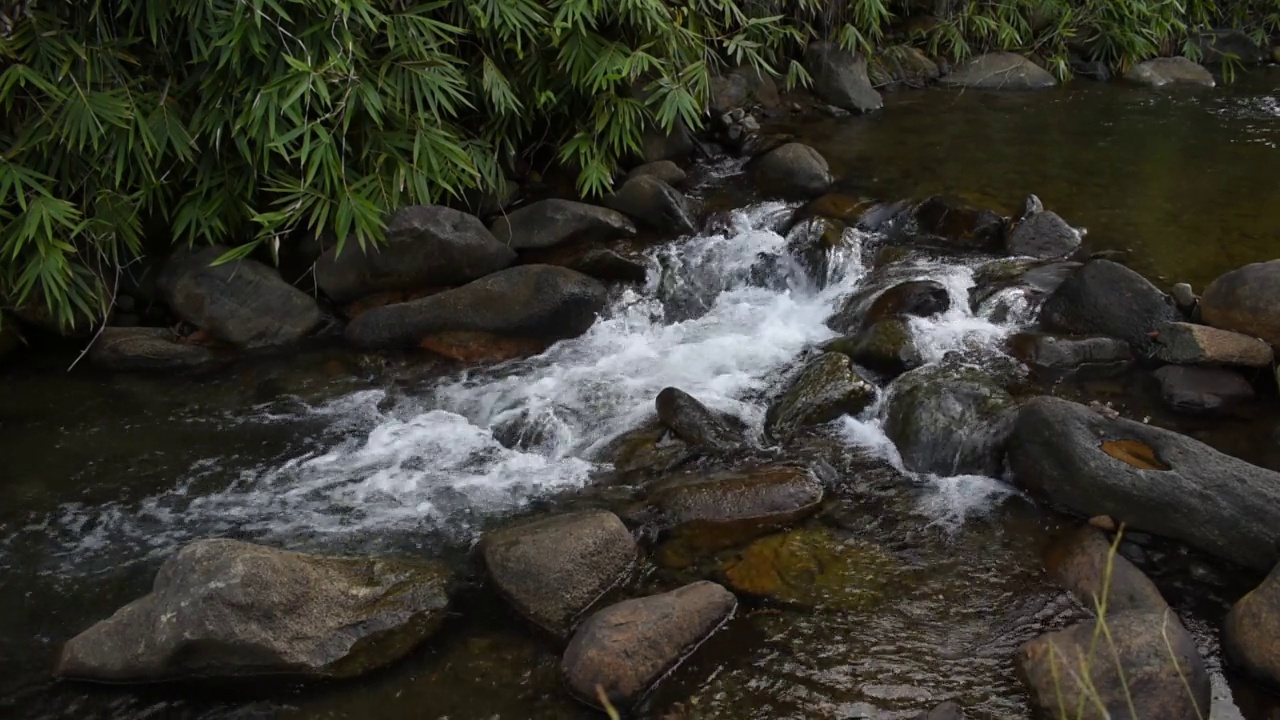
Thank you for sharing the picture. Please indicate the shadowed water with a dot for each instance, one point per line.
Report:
(103, 477)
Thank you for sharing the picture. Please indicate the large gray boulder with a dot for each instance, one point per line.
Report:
(548, 223)
(840, 78)
(793, 170)
(999, 71)
(1152, 480)
(242, 302)
(654, 203)
(1042, 235)
(949, 420)
(1189, 344)
(1246, 300)
(1106, 298)
(427, 246)
(138, 348)
(228, 609)
(534, 302)
(826, 388)
(1159, 72)
(553, 568)
(626, 648)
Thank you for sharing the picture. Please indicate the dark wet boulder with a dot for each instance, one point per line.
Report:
(999, 71)
(921, 298)
(652, 202)
(814, 566)
(141, 348)
(840, 78)
(548, 223)
(695, 423)
(1106, 298)
(742, 87)
(814, 242)
(657, 144)
(1159, 72)
(954, 223)
(426, 246)
(1031, 278)
(10, 340)
(1152, 480)
(792, 171)
(752, 499)
(1042, 235)
(903, 66)
(1182, 343)
(626, 648)
(886, 347)
(554, 568)
(946, 711)
(228, 609)
(949, 420)
(1246, 300)
(1081, 356)
(1216, 46)
(1146, 658)
(827, 387)
(242, 302)
(650, 449)
(1202, 390)
(1251, 631)
(1082, 562)
(665, 170)
(614, 262)
(539, 303)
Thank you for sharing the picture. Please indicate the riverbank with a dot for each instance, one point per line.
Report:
(410, 459)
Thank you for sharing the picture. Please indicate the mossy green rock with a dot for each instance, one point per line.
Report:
(949, 420)
(813, 566)
(825, 389)
(651, 448)
(886, 347)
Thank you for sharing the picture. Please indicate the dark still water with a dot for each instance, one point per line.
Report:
(910, 589)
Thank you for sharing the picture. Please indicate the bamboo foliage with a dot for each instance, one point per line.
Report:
(248, 122)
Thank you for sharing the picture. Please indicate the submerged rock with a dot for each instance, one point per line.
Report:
(1106, 298)
(1082, 562)
(228, 609)
(654, 203)
(1201, 389)
(792, 171)
(1246, 300)
(554, 568)
(695, 423)
(1150, 479)
(1159, 671)
(1159, 72)
(812, 566)
(999, 71)
(949, 420)
(537, 303)
(1042, 235)
(626, 648)
(426, 246)
(840, 78)
(957, 224)
(1086, 356)
(242, 302)
(140, 348)
(945, 711)
(548, 223)
(827, 388)
(665, 170)
(1188, 344)
(1251, 631)
(886, 347)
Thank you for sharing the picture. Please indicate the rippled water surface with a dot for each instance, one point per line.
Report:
(104, 476)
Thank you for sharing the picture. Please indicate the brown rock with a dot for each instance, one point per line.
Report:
(627, 647)
(1246, 300)
(120, 348)
(554, 568)
(1188, 344)
(1159, 668)
(473, 346)
(1251, 632)
(1082, 561)
(759, 497)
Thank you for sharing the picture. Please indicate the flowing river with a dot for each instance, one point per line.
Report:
(104, 476)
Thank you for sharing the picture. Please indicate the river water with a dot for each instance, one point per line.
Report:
(104, 476)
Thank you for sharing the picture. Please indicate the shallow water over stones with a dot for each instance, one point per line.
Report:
(938, 580)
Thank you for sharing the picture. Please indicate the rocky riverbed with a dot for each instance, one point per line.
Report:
(753, 438)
